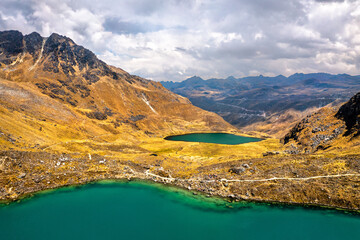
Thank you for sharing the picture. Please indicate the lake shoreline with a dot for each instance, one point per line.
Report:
(183, 188)
(44, 171)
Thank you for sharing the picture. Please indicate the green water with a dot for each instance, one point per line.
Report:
(220, 138)
(147, 211)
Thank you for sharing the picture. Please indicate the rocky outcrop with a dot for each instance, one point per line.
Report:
(57, 54)
(294, 132)
(11, 44)
(33, 43)
(316, 131)
(63, 54)
(319, 130)
(350, 113)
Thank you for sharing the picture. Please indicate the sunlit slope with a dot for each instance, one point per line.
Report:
(53, 91)
(332, 130)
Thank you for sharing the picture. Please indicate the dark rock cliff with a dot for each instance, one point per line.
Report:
(33, 43)
(349, 112)
(11, 44)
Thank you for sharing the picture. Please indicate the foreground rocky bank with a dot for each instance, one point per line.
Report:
(252, 179)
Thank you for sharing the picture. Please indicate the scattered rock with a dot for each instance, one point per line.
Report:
(96, 115)
(22, 175)
(270, 153)
(245, 165)
(237, 170)
(136, 118)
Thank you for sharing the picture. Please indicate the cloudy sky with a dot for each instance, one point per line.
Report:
(175, 39)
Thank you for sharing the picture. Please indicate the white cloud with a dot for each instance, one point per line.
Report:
(170, 39)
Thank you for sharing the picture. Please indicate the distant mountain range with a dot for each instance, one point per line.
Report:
(247, 102)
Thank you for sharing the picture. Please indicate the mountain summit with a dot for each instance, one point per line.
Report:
(54, 90)
(55, 54)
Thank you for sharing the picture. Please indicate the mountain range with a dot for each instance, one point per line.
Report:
(270, 105)
(59, 90)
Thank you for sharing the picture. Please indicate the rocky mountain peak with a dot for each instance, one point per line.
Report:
(11, 43)
(33, 43)
(56, 54)
(63, 54)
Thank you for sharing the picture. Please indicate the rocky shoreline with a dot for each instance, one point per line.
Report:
(28, 177)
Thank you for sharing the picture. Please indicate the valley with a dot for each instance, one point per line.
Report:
(270, 105)
(68, 118)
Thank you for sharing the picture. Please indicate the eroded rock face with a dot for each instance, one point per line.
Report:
(350, 113)
(11, 44)
(294, 132)
(63, 54)
(33, 43)
(58, 54)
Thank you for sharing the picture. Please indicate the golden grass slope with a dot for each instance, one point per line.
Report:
(50, 108)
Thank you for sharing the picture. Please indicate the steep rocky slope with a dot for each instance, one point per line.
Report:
(53, 90)
(331, 129)
(350, 113)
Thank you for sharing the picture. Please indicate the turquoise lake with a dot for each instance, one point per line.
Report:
(220, 138)
(136, 210)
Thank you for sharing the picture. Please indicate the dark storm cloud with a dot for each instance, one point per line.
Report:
(174, 39)
(17, 6)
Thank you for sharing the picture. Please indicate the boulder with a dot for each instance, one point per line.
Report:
(237, 170)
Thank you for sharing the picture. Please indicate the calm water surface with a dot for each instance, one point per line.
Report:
(220, 138)
(147, 211)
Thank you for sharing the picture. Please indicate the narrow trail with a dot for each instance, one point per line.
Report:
(148, 173)
(285, 178)
(255, 180)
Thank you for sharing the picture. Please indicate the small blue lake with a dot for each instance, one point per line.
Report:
(219, 138)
